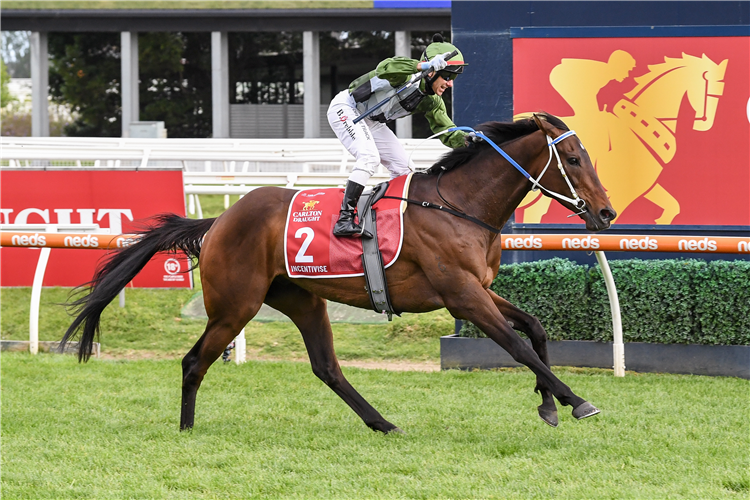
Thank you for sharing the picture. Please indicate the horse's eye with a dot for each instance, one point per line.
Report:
(573, 161)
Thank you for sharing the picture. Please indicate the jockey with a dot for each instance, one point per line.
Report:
(370, 141)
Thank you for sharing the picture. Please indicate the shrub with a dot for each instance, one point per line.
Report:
(685, 301)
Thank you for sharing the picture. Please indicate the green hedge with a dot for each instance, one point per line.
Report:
(685, 301)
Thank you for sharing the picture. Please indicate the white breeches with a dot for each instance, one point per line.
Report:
(370, 142)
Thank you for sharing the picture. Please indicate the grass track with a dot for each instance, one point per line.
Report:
(151, 323)
(108, 429)
(268, 429)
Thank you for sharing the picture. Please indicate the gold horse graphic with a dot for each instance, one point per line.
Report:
(310, 205)
(631, 144)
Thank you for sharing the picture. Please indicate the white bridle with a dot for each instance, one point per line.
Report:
(578, 202)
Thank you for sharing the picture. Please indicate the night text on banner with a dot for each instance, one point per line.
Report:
(117, 200)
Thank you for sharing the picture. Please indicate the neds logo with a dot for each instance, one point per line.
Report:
(588, 242)
(528, 242)
(646, 243)
(81, 242)
(35, 240)
(700, 245)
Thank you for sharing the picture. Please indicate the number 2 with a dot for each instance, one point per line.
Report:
(309, 234)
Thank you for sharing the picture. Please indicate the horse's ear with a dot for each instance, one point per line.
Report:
(542, 124)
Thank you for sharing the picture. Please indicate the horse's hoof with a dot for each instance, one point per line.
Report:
(395, 430)
(548, 416)
(584, 410)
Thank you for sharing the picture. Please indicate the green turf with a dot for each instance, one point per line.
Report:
(213, 204)
(186, 4)
(108, 429)
(151, 324)
(272, 430)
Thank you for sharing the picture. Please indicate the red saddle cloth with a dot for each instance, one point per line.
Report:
(312, 251)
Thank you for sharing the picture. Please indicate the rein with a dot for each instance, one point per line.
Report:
(576, 201)
(427, 204)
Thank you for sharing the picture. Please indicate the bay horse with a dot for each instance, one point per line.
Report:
(445, 261)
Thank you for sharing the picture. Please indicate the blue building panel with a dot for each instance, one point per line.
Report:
(484, 31)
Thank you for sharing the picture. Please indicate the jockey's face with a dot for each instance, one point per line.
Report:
(440, 85)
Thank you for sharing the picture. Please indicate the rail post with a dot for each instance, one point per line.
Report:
(618, 346)
(36, 296)
(240, 345)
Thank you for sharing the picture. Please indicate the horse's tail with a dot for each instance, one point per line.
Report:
(166, 232)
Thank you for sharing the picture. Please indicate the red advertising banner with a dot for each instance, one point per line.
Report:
(118, 200)
(666, 122)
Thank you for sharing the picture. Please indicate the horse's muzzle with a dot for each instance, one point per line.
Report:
(606, 216)
(600, 220)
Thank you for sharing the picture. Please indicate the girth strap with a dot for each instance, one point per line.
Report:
(372, 259)
(427, 204)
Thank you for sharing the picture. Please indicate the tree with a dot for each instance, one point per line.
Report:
(5, 96)
(265, 68)
(84, 73)
(175, 74)
(16, 53)
(175, 81)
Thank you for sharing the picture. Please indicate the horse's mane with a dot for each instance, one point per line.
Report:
(499, 133)
(670, 63)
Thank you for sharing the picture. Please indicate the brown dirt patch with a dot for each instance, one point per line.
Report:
(391, 365)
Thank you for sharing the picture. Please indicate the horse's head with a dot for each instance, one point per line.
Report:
(584, 183)
(704, 95)
(661, 90)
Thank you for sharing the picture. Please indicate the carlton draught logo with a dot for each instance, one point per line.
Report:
(634, 141)
(309, 205)
(308, 212)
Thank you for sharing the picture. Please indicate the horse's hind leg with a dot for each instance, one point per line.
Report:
(531, 326)
(310, 315)
(224, 324)
(196, 363)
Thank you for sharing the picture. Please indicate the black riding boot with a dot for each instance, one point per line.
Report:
(346, 226)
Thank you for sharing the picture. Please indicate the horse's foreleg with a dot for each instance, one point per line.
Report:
(310, 315)
(474, 303)
(531, 326)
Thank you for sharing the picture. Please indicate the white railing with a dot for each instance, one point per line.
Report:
(211, 166)
(41, 267)
(198, 155)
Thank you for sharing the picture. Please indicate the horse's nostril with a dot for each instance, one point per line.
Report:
(607, 215)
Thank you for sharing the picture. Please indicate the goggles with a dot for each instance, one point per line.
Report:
(450, 74)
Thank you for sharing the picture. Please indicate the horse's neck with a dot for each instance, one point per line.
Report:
(490, 188)
(662, 97)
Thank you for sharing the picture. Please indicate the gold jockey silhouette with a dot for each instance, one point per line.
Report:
(630, 144)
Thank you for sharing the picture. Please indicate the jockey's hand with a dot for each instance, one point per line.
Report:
(471, 138)
(435, 64)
